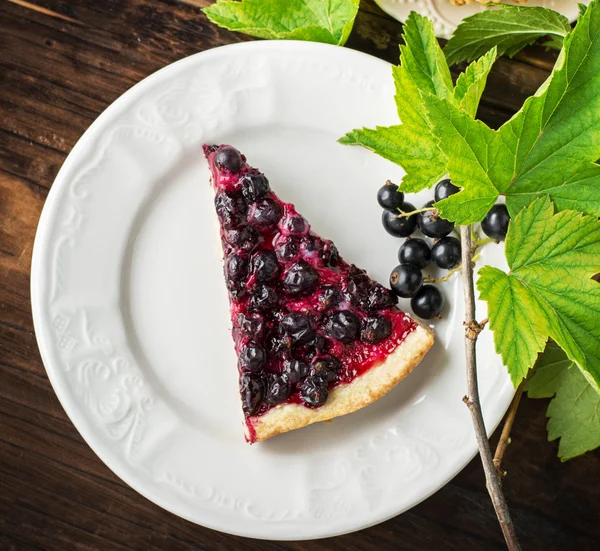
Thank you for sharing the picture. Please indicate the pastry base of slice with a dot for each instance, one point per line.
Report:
(343, 399)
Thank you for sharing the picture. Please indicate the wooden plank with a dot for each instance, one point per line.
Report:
(61, 64)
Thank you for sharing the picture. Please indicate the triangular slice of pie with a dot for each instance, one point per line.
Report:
(315, 337)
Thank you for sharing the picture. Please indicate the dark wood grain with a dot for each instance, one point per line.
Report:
(62, 63)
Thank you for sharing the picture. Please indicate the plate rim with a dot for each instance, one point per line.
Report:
(42, 333)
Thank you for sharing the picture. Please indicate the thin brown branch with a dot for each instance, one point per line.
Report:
(472, 399)
(505, 436)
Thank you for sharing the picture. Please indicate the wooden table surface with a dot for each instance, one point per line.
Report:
(61, 64)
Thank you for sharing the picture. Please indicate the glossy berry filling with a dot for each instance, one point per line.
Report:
(304, 321)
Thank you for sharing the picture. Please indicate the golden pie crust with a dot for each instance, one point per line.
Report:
(343, 399)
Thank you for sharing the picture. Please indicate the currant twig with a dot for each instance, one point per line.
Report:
(429, 279)
(505, 436)
(472, 330)
(409, 214)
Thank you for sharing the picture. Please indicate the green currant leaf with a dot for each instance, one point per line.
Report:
(548, 148)
(509, 28)
(327, 21)
(548, 291)
(574, 413)
(471, 83)
(422, 71)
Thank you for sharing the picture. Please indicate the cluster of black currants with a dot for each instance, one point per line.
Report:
(406, 280)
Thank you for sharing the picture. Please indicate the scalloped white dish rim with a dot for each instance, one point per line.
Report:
(155, 425)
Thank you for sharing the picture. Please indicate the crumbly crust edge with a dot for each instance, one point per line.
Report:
(343, 399)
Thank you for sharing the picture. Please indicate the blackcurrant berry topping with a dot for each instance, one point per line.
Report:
(265, 214)
(288, 250)
(236, 267)
(254, 187)
(231, 209)
(263, 298)
(379, 298)
(244, 238)
(329, 297)
(325, 367)
(252, 357)
(265, 266)
(252, 391)
(314, 391)
(295, 370)
(251, 324)
(375, 329)
(278, 389)
(343, 326)
(300, 279)
(299, 327)
(296, 225)
(229, 157)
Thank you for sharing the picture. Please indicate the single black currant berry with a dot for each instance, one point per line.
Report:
(231, 209)
(495, 223)
(432, 225)
(288, 250)
(406, 280)
(444, 189)
(254, 187)
(265, 214)
(428, 303)
(314, 391)
(329, 297)
(244, 238)
(399, 227)
(389, 197)
(252, 391)
(236, 267)
(295, 370)
(446, 253)
(343, 326)
(416, 252)
(299, 327)
(263, 298)
(300, 279)
(375, 329)
(296, 225)
(325, 367)
(265, 266)
(278, 389)
(252, 357)
(379, 298)
(357, 286)
(251, 324)
(229, 157)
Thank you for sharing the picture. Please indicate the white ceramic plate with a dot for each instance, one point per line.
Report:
(131, 312)
(446, 16)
